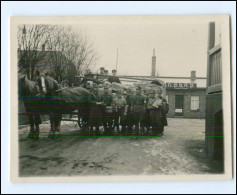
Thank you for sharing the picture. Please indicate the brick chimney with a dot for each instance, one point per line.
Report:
(153, 65)
(193, 76)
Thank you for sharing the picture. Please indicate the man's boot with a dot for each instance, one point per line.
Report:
(137, 129)
(37, 131)
(123, 132)
(97, 130)
(32, 132)
(52, 131)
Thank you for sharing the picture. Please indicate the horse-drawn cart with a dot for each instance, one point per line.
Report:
(76, 118)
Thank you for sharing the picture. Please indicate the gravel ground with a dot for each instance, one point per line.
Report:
(179, 151)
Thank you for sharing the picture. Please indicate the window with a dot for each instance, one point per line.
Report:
(179, 105)
(215, 68)
(194, 102)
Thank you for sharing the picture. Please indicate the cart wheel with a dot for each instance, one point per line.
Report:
(80, 122)
(113, 125)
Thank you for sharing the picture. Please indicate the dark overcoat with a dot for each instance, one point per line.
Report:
(164, 111)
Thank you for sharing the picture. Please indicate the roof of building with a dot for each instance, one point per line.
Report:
(200, 81)
(42, 58)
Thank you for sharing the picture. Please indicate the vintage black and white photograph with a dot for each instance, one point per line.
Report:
(121, 96)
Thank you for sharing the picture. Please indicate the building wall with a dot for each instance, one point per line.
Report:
(214, 126)
(187, 112)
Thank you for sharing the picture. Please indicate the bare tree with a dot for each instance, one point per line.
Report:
(61, 50)
(31, 39)
(87, 56)
(78, 53)
(57, 61)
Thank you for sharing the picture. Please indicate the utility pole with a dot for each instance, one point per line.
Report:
(153, 65)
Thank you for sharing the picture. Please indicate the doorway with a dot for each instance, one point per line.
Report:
(179, 102)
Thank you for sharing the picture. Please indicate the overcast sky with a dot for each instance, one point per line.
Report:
(180, 45)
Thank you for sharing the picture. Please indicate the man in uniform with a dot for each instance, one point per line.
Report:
(107, 99)
(106, 72)
(137, 109)
(89, 116)
(102, 70)
(114, 78)
(95, 91)
(156, 106)
(146, 116)
(120, 109)
(154, 112)
(88, 76)
(164, 111)
(124, 118)
(95, 119)
(127, 119)
(101, 76)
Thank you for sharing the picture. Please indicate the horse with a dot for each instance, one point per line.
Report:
(45, 97)
(48, 87)
(64, 101)
(29, 92)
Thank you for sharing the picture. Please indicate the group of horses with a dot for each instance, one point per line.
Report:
(44, 97)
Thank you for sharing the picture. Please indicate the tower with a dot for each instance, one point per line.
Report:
(193, 76)
(153, 65)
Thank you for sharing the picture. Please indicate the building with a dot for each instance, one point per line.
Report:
(214, 120)
(186, 96)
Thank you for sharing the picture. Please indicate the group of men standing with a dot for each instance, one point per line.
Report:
(99, 78)
(126, 112)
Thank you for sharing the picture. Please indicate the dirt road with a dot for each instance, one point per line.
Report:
(179, 151)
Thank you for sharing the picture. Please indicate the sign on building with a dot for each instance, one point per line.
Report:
(181, 85)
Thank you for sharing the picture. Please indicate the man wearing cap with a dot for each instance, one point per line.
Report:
(114, 78)
(107, 99)
(88, 76)
(155, 106)
(102, 70)
(95, 119)
(120, 109)
(106, 72)
(164, 111)
(146, 116)
(106, 76)
(92, 99)
(87, 85)
(101, 76)
(127, 119)
(95, 90)
(154, 113)
(137, 109)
